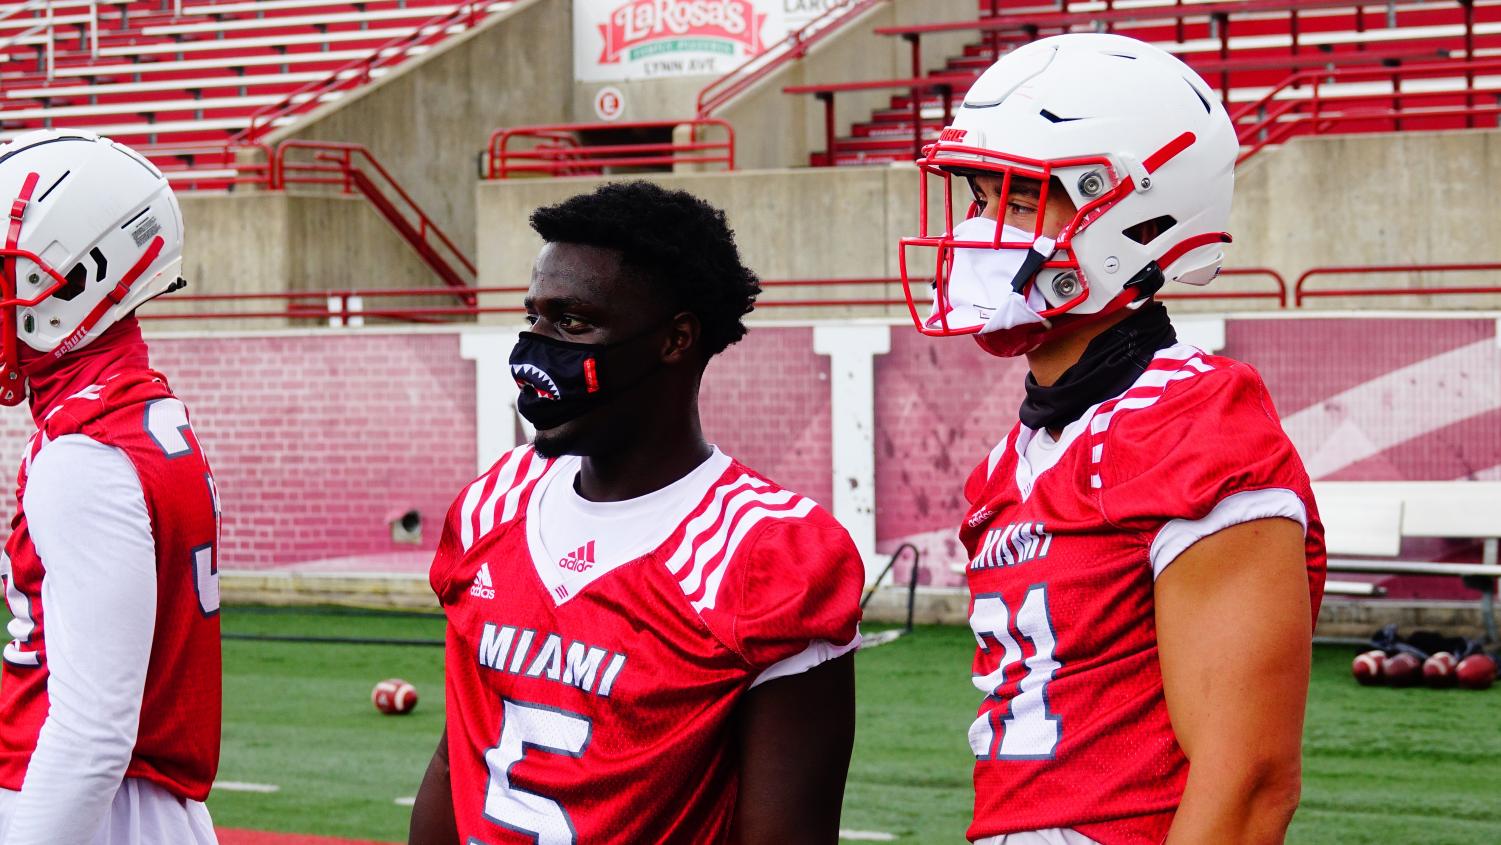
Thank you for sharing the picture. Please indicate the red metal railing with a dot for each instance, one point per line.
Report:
(341, 307)
(359, 72)
(558, 149)
(352, 168)
(1280, 294)
(346, 306)
(796, 45)
(211, 166)
(1302, 104)
(1300, 293)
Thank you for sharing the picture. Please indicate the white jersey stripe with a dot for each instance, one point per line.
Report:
(534, 471)
(734, 511)
(471, 503)
(801, 507)
(708, 519)
(503, 485)
(1145, 393)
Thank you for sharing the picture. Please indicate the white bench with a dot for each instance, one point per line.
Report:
(1365, 521)
(182, 104)
(123, 131)
(194, 84)
(411, 12)
(222, 63)
(268, 6)
(224, 44)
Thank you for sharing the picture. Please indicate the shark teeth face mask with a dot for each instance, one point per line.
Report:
(985, 286)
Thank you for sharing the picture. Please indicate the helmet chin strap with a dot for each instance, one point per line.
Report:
(111, 299)
(10, 352)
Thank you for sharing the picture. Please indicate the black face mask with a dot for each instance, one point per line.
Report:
(562, 380)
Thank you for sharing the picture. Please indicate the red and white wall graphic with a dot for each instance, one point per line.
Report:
(320, 439)
(622, 40)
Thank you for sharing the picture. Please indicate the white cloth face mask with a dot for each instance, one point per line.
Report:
(981, 281)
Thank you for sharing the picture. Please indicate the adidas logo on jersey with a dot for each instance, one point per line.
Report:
(581, 560)
(1019, 542)
(483, 587)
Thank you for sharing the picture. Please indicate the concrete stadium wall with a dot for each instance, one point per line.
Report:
(1400, 198)
(429, 120)
(1408, 198)
(273, 242)
(780, 130)
(789, 224)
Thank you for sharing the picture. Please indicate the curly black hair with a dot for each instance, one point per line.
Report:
(679, 243)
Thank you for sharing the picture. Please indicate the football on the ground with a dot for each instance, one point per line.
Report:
(1438, 670)
(1402, 670)
(394, 697)
(1478, 671)
(1367, 667)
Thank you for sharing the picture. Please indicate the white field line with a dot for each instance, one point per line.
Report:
(238, 786)
(867, 835)
(879, 638)
(408, 801)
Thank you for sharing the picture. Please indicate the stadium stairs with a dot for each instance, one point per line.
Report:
(210, 90)
(1247, 52)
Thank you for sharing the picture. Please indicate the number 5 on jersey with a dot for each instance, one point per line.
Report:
(167, 423)
(1028, 731)
(547, 730)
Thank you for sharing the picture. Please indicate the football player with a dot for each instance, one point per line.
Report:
(648, 641)
(1146, 561)
(110, 700)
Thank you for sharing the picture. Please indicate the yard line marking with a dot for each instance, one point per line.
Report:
(867, 835)
(409, 801)
(879, 638)
(238, 786)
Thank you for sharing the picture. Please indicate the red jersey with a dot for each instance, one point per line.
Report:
(177, 745)
(592, 686)
(1064, 545)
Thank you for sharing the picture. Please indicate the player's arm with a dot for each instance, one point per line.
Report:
(794, 735)
(432, 814)
(1235, 646)
(87, 516)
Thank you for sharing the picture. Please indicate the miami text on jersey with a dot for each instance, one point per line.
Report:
(1019, 542)
(578, 666)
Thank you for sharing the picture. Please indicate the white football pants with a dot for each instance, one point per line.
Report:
(141, 814)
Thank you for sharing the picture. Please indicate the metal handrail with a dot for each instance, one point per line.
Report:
(561, 153)
(796, 45)
(1300, 293)
(339, 159)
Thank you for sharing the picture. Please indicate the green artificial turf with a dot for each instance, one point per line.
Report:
(1380, 765)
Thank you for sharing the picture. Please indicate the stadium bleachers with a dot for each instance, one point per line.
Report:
(160, 72)
(1246, 50)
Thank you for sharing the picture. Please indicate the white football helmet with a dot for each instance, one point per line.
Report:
(94, 232)
(1141, 145)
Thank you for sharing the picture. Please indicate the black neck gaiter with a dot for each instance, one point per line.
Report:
(1111, 363)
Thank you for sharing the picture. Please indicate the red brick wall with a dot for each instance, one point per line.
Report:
(765, 401)
(318, 439)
